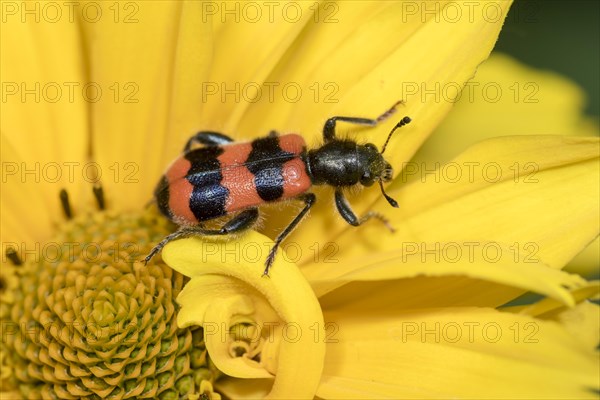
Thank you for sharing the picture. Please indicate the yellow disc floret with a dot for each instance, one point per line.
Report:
(88, 320)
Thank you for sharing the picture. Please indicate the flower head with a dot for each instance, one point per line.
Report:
(396, 315)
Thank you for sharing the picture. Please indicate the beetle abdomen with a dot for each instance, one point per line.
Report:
(212, 181)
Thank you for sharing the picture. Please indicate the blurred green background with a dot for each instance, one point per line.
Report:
(563, 36)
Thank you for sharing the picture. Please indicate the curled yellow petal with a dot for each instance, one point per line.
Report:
(549, 308)
(254, 326)
(587, 262)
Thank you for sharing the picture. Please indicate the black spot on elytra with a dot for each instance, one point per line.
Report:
(265, 161)
(208, 196)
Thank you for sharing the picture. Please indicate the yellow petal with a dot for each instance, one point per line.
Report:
(225, 289)
(234, 388)
(533, 173)
(361, 65)
(250, 39)
(454, 353)
(550, 308)
(544, 217)
(386, 43)
(151, 65)
(509, 98)
(19, 216)
(583, 322)
(44, 110)
(495, 263)
(587, 263)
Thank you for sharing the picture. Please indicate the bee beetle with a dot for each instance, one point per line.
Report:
(222, 177)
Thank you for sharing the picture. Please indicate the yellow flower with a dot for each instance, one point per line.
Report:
(383, 318)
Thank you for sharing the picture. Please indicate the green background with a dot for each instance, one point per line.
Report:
(563, 36)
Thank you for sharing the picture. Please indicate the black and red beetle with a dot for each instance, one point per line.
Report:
(222, 177)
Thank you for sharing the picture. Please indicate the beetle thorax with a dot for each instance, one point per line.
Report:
(345, 163)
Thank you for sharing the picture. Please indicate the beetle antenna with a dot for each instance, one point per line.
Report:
(400, 124)
(392, 202)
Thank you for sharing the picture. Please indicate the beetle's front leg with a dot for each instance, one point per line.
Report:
(329, 127)
(347, 213)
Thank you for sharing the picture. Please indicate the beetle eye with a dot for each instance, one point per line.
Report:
(367, 178)
(371, 146)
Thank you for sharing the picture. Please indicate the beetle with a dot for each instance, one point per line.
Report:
(222, 177)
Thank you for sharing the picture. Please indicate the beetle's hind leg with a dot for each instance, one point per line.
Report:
(207, 138)
(179, 234)
(244, 220)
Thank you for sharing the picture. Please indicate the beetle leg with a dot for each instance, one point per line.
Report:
(180, 233)
(244, 220)
(347, 213)
(329, 127)
(208, 138)
(240, 222)
(309, 199)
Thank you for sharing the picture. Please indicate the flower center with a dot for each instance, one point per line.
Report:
(88, 320)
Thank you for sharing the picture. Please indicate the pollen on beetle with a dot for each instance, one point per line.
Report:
(91, 321)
